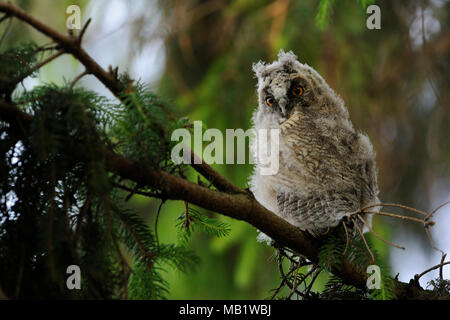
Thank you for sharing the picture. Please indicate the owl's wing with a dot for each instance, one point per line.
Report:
(317, 153)
(318, 212)
(330, 170)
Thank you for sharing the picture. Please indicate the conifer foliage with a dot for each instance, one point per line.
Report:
(59, 208)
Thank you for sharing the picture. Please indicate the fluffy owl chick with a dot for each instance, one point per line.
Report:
(326, 169)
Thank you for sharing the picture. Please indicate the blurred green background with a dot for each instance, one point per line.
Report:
(198, 54)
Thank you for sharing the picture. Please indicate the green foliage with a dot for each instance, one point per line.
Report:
(366, 3)
(147, 283)
(441, 289)
(144, 124)
(323, 12)
(191, 219)
(335, 289)
(326, 6)
(49, 217)
(335, 249)
(58, 210)
(16, 64)
(150, 257)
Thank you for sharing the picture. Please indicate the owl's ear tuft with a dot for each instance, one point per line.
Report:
(286, 58)
(259, 69)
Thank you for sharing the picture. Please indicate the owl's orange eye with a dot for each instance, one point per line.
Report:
(297, 90)
(269, 101)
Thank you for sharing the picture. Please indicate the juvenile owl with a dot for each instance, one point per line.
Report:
(326, 169)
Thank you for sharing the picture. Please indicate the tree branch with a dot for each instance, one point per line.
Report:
(240, 206)
(229, 200)
(68, 44)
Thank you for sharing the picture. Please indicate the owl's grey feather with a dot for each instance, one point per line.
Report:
(327, 170)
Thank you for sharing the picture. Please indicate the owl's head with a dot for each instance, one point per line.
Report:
(286, 86)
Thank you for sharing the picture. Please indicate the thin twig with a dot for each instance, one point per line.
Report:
(5, 16)
(186, 215)
(142, 193)
(125, 265)
(440, 265)
(435, 210)
(309, 273)
(44, 62)
(80, 217)
(346, 237)
(277, 290)
(156, 222)
(396, 205)
(441, 273)
(8, 26)
(150, 256)
(313, 279)
(427, 231)
(294, 286)
(119, 252)
(377, 235)
(295, 290)
(83, 30)
(425, 221)
(285, 276)
(393, 215)
(364, 239)
(292, 258)
(48, 46)
(81, 75)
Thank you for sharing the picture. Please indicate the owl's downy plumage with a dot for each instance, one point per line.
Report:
(326, 169)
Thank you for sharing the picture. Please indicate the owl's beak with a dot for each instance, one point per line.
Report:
(282, 103)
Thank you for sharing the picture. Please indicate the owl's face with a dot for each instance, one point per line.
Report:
(287, 86)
